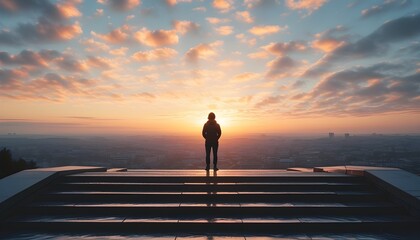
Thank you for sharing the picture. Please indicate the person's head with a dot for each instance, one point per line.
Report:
(211, 116)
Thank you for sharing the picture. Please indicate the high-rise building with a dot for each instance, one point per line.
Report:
(331, 135)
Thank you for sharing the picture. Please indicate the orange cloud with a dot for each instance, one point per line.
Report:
(171, 2)
(119, 51)
(258, 55)
(214, 20)
(157, 38)
(68, 9)
(266, 30)
(224, 30)
(245, 77)
(327, 45)
(202, 51)
(99, 62)
(244, 17)
(92, 45)
(155, 54)
(230, 63)
(310, 5)
(185, 26)
(117, 35)
(223, 5)
(243, 39)
(66, 32)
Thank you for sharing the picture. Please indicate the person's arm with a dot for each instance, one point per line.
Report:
(204, 132)
(219, 132)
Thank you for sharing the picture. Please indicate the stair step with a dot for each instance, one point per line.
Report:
(210, 209)
(121, 178)
(130, 186)
(200, 225)
(209, 197)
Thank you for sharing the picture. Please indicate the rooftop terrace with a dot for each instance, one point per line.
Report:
(333, 202)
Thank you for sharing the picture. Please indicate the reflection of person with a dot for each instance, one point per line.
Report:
(211, 132)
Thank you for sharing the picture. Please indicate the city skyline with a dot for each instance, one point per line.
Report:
(159, 67)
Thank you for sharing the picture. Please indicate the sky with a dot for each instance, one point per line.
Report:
(159, 67)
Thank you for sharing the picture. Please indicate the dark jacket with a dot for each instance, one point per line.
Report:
(211, 131)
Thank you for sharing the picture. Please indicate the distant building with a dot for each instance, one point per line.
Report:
(331, 135)
(346, 135)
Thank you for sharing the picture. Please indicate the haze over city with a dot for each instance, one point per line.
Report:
(73, 67)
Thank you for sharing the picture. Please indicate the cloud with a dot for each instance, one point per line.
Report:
(45, 30)
(246, 40)
(98, 62)
(118, 35)
(68, 9)
(122, 5)
(171, 3)
(46, 59)
(266, 30)
(69, 63)
(230, 63)
(155, 54)
(245, 77)
(184, 27)
(157, 38)
(244, 16)
(252, 3)
(223, 5)
(9, 78)
(372, 45)
(268, 101)
(51, 86)
(258, 55)
(42, 31)
(202, 51)
(119, 51)
(283, 48)
(386, 6)
(377, 42)
(280, 67)
(224, 30)
(29, 58)
(91, 45)
(359, 91)
(309, 5)
(56, 12)
(144, 95)
(214, 20)
(327, 44)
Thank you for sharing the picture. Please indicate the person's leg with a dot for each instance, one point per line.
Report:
(215, 148)
(208, 148)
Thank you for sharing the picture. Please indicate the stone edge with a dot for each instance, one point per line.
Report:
(399, 195)
(47, 175)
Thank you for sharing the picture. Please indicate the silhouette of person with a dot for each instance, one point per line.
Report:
(211, 132)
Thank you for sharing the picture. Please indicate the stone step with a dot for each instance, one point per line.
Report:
(219, 225)
(194, 187)
(237, 197)
(131, 178)
(194, 209)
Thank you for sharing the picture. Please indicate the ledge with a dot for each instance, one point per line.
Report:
(402, 185)
(18, 186)
(351, 170)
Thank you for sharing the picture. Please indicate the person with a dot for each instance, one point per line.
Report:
(211, 132)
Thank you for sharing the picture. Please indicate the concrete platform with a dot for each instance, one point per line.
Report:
(16, 187)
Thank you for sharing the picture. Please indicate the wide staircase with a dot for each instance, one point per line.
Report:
(243, 204)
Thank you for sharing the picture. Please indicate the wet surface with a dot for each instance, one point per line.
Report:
(203, 207)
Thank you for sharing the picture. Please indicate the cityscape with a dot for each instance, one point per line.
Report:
(246, 152)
